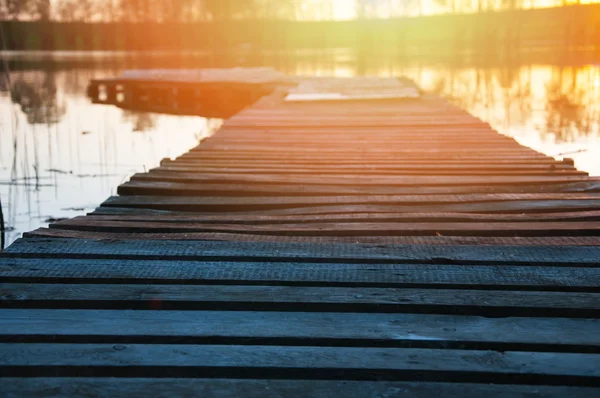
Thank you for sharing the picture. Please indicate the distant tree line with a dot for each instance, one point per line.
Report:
(207, 10)
(145, 10)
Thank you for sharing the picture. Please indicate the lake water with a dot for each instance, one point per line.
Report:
(61, 156)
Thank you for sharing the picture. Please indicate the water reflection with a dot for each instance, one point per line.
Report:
(141, 121)
(61, 156)
(38, 99)
(566, 99)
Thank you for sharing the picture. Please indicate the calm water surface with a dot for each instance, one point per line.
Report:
(61, 156)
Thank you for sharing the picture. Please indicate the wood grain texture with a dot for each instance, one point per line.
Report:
(347, 228)
(306, 298)
(161, 271)
(301, 329)
(440, 171)
(300, 252)
(158, 187)
(202, 388)
(179, 218)
(492, 203)
(283, 362)
(373, 240)
(359, 180)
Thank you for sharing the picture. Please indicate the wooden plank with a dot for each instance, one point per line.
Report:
(376, 136)
(430, 105)
(351, 217)
(165, 271)
(359, 132)
(358, 139)
(406, 122)
(362, 156)
(399, 162)
(347, 153)
(357, 123)
(409, 203)
(390, 199)
(296, 252)
(355, 146)
(379, 151)
(347, 228)
(484, 209)
(167, 188)
(283, 362)
(352, 143)
(126, 210)
(166, 387)
(365, 152)
(305, 299)
(369, 181)
(379, 240)
(254, 118)
(440, 171)
(400, 166)
(351, 129)
(320, 120)
(300, 328)
(365, 144)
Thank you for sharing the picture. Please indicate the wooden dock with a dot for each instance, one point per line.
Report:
(360, 248)
(215, 93)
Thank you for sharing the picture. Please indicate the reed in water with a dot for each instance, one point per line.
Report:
(2, 229)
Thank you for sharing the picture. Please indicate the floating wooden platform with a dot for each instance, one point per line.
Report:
(218, 93)
(378, 248)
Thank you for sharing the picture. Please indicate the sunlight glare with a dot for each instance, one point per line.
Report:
(343, 9)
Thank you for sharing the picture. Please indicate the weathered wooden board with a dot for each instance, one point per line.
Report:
(395, 181)
(364, 156)
(362, 121)
(351, 217)
(166, 188)
(442, 171)
(384, 208)
(359, 143)
(407, 203)
(128, 210)
(373, 151)
(391, 199)
(304, 299)
(399, 167)
(346, 137)
(347, 228)
(300, 328)
(482, 277)
(379, 240)
(384, 145)
(66, 387)
(283, 362)
(356, 138)
(303, 252)
(340, 162)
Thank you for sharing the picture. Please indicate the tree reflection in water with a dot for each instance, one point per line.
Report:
(141, 121)
(572, 104)
(37, 98)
